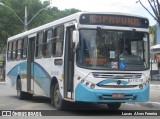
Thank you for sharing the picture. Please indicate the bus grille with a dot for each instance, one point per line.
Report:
(117, 75)
(118, 86)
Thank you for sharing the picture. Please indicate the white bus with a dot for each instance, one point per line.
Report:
(85, 57)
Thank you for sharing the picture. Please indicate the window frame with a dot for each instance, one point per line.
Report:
(19, 49)
(47, 43)
(37, 45)
(9, 51)
(55, 41)
(24, 49)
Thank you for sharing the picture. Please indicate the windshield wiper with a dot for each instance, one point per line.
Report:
(99, 36)
(99, 31)
(132, 33)
(130, 37)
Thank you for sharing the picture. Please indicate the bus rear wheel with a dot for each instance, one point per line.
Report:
(56, 98)
(20, 94)
(113, 106)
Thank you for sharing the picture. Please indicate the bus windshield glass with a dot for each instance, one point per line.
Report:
(113, 50)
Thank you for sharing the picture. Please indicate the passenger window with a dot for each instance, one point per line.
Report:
(14, 49)
(9, 51)
(19, 49)
(58, 41)
(24, 48)
(39, 43)
(47, 44)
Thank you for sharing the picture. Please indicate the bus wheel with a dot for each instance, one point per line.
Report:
(113, 106)
(20, 94)
(57, 98)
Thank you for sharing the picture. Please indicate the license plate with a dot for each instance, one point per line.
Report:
(117, 95)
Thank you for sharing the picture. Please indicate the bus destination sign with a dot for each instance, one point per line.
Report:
(114, 20)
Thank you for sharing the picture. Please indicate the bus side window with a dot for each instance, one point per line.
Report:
(47, 45)
(19, 48)
(24, 48)
(58, 41)
(9, 51)
(39, 43)
(14, 49)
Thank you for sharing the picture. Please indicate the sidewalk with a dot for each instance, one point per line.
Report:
(155, 84)
(2, 82)
(151, 104)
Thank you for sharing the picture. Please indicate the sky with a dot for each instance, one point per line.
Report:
(125, 6)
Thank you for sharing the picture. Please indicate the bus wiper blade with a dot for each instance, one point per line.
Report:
(132, 33)
(99, 31)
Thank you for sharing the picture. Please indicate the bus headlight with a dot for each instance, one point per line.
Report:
(92, 86)
(141, 86)
(82, 81)
(88, 84)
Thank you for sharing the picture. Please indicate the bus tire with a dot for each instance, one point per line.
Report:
(28, 96)
(56, 98)
(20, 93)
(113, 106)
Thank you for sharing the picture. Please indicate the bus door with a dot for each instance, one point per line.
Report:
(30, 64)
(69, 62)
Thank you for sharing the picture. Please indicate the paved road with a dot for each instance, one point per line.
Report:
(155, 95)
(9, 101)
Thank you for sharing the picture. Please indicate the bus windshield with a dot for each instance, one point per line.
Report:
(113, 50)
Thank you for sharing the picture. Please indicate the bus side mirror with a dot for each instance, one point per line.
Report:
(75, 37)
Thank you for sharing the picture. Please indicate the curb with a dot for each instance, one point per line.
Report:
(155, 86)
(3, 83)
(148, 104)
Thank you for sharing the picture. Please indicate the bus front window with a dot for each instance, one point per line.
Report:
(113, 50)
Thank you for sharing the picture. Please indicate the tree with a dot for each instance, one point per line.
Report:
(155, 5)
(10, 25)
(152, 31)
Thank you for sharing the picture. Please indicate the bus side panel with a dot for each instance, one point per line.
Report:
(41, 80)
(19, 68)
(44, 71)
(39, 76)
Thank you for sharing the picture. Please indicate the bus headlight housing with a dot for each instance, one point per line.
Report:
(88, 84)
(141, 86)
(92, 86)
(82, 81)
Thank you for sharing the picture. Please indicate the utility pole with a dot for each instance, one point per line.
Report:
(25, 22)
(26, 19)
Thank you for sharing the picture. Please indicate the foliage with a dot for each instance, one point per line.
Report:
(153, 31)
(10, 25)
(155, 6)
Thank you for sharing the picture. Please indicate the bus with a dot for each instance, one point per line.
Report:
(85, 57)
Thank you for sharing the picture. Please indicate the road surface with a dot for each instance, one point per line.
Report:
(9, 101)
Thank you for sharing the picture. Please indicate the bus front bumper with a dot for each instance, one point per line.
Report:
(86, 94)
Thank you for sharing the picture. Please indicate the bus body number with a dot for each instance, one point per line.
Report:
(135, 80)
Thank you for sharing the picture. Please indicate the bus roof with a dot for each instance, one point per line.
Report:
(64, 20)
